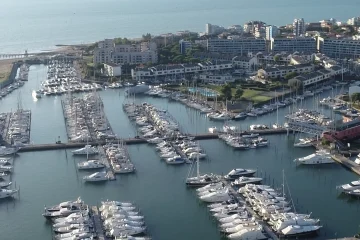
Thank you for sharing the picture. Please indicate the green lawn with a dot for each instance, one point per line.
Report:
(4, 76)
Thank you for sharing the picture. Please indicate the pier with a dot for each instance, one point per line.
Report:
(98, 228)
(240, 199)
(108, 167)
(347, 163)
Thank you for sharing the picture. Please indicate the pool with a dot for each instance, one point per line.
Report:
(204, 91)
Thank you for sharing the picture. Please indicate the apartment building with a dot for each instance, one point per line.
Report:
(299, 44)
(236, 46)
(281, 71)
(299, 27)
(339, 48)
(109, 52)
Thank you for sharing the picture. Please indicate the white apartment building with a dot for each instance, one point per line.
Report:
(355, 21)
(217, 79)
(271, 32)
(178, 71)
(112, 70)
(109, 52)
(244, 62)
(240, 46)
(281, 71)
(299, 27)
(339, 48)
(211, 29)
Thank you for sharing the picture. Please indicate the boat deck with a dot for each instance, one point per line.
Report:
(240, 199)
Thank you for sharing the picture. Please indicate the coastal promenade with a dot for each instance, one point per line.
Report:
(129, 141)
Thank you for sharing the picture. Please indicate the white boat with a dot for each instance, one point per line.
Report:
(6, 168)
(320, 157)
(239, 172)
(5, 151)
(90, 164)
(294, 230)
(175, 160)
(304, 143)
(96, 177)
(246, 180)
(248, 234)
(5, 193)
(213, 130)
(350, 186)
(87, 150)
(195, 155)
(155, 140)
(125, 237)
(300, 221)
(216, 196)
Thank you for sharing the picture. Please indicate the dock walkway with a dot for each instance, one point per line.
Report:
(240, 199)
(105, 160)
(97, 223)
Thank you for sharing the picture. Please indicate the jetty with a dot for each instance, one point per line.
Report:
(98, 228)
(108, 167)
(240, 199)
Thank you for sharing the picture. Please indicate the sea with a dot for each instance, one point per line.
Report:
(172, 211)
(39, 25)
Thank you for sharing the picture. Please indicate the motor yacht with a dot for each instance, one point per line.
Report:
(300, 221)
(350, 186)
(217, 196)
(195, 155)
(155, 140)
(63, 212)
(5, 193)
(304, 143)
(246, 180)
(87, 150)
(175, 160)
(4, 168)
(96, 177)
(213, 129)
(246, 233)
(294, 230)
(91, 164)
(320, 157)
(5, 151)
(239, 172)
(202, 180)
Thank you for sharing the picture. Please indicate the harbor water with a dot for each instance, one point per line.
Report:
(39, 25)
(172, 211)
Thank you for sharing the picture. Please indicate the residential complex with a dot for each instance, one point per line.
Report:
(299, 27)
(299, 44)
(108, 51)
(211, 29)
(339, 48)
(178, 71)
(184, 46)
(281, 71)
(271, 32)
(112, 70)
(238, 46)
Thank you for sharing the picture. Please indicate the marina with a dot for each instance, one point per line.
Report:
(15, 127)
(154, 177)
(85, 119)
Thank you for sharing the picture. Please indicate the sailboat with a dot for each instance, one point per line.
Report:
(201, 180)
(277, 125)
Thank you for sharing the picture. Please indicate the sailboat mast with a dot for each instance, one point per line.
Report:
(197, 163)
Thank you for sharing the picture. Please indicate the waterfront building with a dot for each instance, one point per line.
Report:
(108, 51)
(260, 31)
(245, 62)
(184, 46)
(249, 27)
(347, 131)
(299, 44)
(211, 29)
(236, 46)
(299, 27)
(217, 79)
(354, 21)
(339, 48)
(281, 71)
(311, 78)
(271, 32)
(112, 69)
(236, 28)
(179, 71)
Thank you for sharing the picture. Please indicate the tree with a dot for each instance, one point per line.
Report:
(146, 37)
(355, 97)
(239, 92)
(226, 91)
(290, 75)
(277, 58)
(295, 84)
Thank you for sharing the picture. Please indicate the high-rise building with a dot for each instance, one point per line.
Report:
(299, 27)
(355, 21)
(271, 32)
(184, 46)
(213, 29)
(240, 46)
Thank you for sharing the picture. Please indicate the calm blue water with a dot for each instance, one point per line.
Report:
(172, 211)
(40, 24)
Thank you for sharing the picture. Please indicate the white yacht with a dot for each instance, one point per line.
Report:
(304, 143)
(5, 151)
(239, 172)
(175, 160)
(244, 234)
(246, 180)
(4, 168)
(96, 177)
(294, 230)
(87, 150)
(350, 186)
(301, 221)
(5, 193)
(91, 164)
(320, 157)
(217, 196)
(155, 140)
(213, 130)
